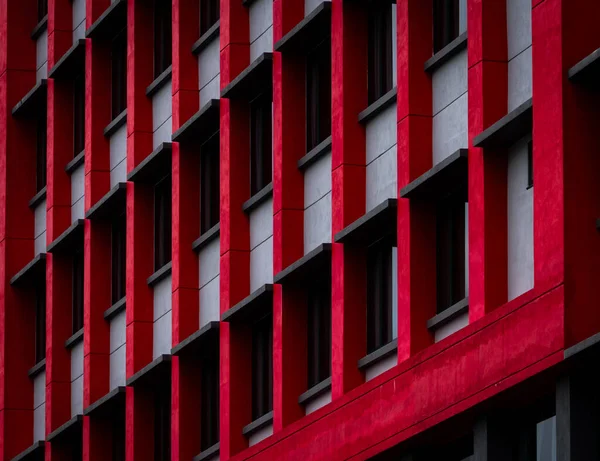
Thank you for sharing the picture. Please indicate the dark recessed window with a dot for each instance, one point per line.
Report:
(40, 324)
(262, 367)
(209, 184)
(42, 9)
(318, 94)
(260, 143)
(119, 239)
(40, 153)
(379, 294)
(209, 14)
(162, 36)
(162, 222)
(380, 50)
(119, 73)
(319, 332)
(209, 405)
(77, 291)
(162, 421)
(445, 23)
(118, 436)
(529, 164)
(78, 114)
(450, 259)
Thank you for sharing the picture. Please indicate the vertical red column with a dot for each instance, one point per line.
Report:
(185, 402)
(416, 221)
(348, 179)
(235, 233)
(488, 226)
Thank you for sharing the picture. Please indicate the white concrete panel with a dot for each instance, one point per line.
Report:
(118, 146)
(208, 63)
(39, 423)
(519, 79)
(79, 32)
(211, 90)
(260, 435)
(310, 5)
(39, 214)
(381, 133)
(162, 133)
(319, 402)
(449, 81)
(462, 16)
(450, 129)
(518, 26)
(520, 222)
(209, 258)
(381, 366)
(78, 210)
(261, 17)
(262, 44)
(78, 15)
(261, 223)
(41, 50)
(546, 440)
(317, 180)
(77, 361)
(161, 106)
(40, 244)
(317, 224)
(161, 339)
(39, 389)
(77, 397)
(209, 302)
(261, 264)
(77, 183)
(118, 173)
(162, 297)
(451, 327)
(41, 73)
(117, 367)
(381, 178)
(118, 333)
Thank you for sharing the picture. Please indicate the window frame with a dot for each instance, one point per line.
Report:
(118, 257)
(262, 366)
(210, 183)
(77, 290)
(318, 94)
(446, 23)
(209, 14)
(162, 222)
(163, 34)
(380, 50)
(78, 114)
(118, 63)
(42, 9)
(318, 324)
(261, 142)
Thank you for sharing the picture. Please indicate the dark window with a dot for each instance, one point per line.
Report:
(379, 295)
(380, 50)
(162, 222)
(119, 73)
(42, 9)
(119, 238)
(450, 251)
(445, 23)
(162, 36)
(319, 332)
(209, 14)
(318, 94)
(40, 324)
(77, 291)
(210, 183)
(529, 164)
(40, 153)
(118, 435)
(162, 421)
(78, 114)
(260, 143)
(262, 367)
(209, 405)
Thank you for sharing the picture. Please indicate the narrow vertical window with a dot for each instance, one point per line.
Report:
(260, 143)
(162, 422)
(162, 36)
(209, 14)
(40, 324)
(379, 295)
(118, 436)
(319, 332)
(162, 222)
(42, 9)
(445, 23)
(119, 73)
(209, 405)
(318, 94)
(119, 236)
(78, 114)
(209, 184)
(380, 70)
(262, 367)
(40, 153)
(77, 291)
(529, 164)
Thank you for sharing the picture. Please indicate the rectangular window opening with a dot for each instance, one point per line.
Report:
(445, 23)
(162, 36)
(42, 9)
(318, 94)
(529, 164)
(40, 323)
(77, 291)
(380, 70)
(209, 183)
(162, 421)
(162, 222)
(260, 143)
(262, 367)
(78, 114)
(40, 157)
(209, 405)
(319, 332)
(379, 294)
(119, 241)
(209, 14)
(119, 73)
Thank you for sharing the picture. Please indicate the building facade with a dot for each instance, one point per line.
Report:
(299, 230)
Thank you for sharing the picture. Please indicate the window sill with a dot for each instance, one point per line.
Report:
(448, 314)
(34, 269)
(159, 82)
(115, 309)
(108, 403)
(77, 161)
(209, 452)
(70, 63)
(158, 369)
(257, 199)
(38, 198)
(252, 307)
(111, 205)
(201, 343)
(378, 106)
(587, 70)
(308, 33)
(252, 81)
(378, 355)
(258, 424)
(115, 124)
(206, 238)
(75, 339)
(585, 347)
(35, 451)
(200, 126)
(315, 154)
(206, 38)
(70, 428)
(371, 226)
(33, 102)
(110, 23)
(69, 240)
(315, 391)
(154, 167)
(446, 53)
(314, 261)
(37, 369)
(160, 274)
(508, 130)
(40, 28)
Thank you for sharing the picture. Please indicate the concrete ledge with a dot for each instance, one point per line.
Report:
(111, 205)
(587, 70)
(315, 153)
(253, 306)
(115, 124)
(315, 391)
(201, 343)
(508, 130)
(37, 369)
(77, 161)
(206, 38)
(381, 353)
(74, 339)
(159, 82)
(257, 424)
(34, 453)
(446, 53)
(448, 314)
(314, 261)
(110, 23)
(38, 198)
(69, 240)
(70, 63)
(108, 403)
(252, 81)
(257, 199)
(115, 309)
(380, 221)
(39, 28)
(209, 452)
(34, 269)
(200, 126)
(154, 167)
(159, 368)
(206, 238)
(308, 33)
(67, 431)
(160, 274)
(33, 102)
(378, 106)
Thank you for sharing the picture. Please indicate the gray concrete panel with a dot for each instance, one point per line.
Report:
(381, 178)
(209, 258)
(78, 210)
(261, 17)
(40, 219)
(208, 63)
(317, 180)
(519, 79)
(462, 16)
(518, 26)
(39, 389)
(118, 146)
(381, 366)
(39, 244)
(162, 297)
(310, 5)
(41, 73)
(39, 423)
(261, 264)
(77, 183)
(450, 129)
(317, 224)
(453, 326)
(209, 302)
(260, 435)
(117, 367)
(77, 361)
(262, 44)
(212, 90)
(118, 333)
(118, 173)
(41, 47)
(261, 223)
(449, 82)
(319, 402)
(162, 133)
(77, 396)
(78, 19)
(161, 106)
(161, 338)
(381, 133)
